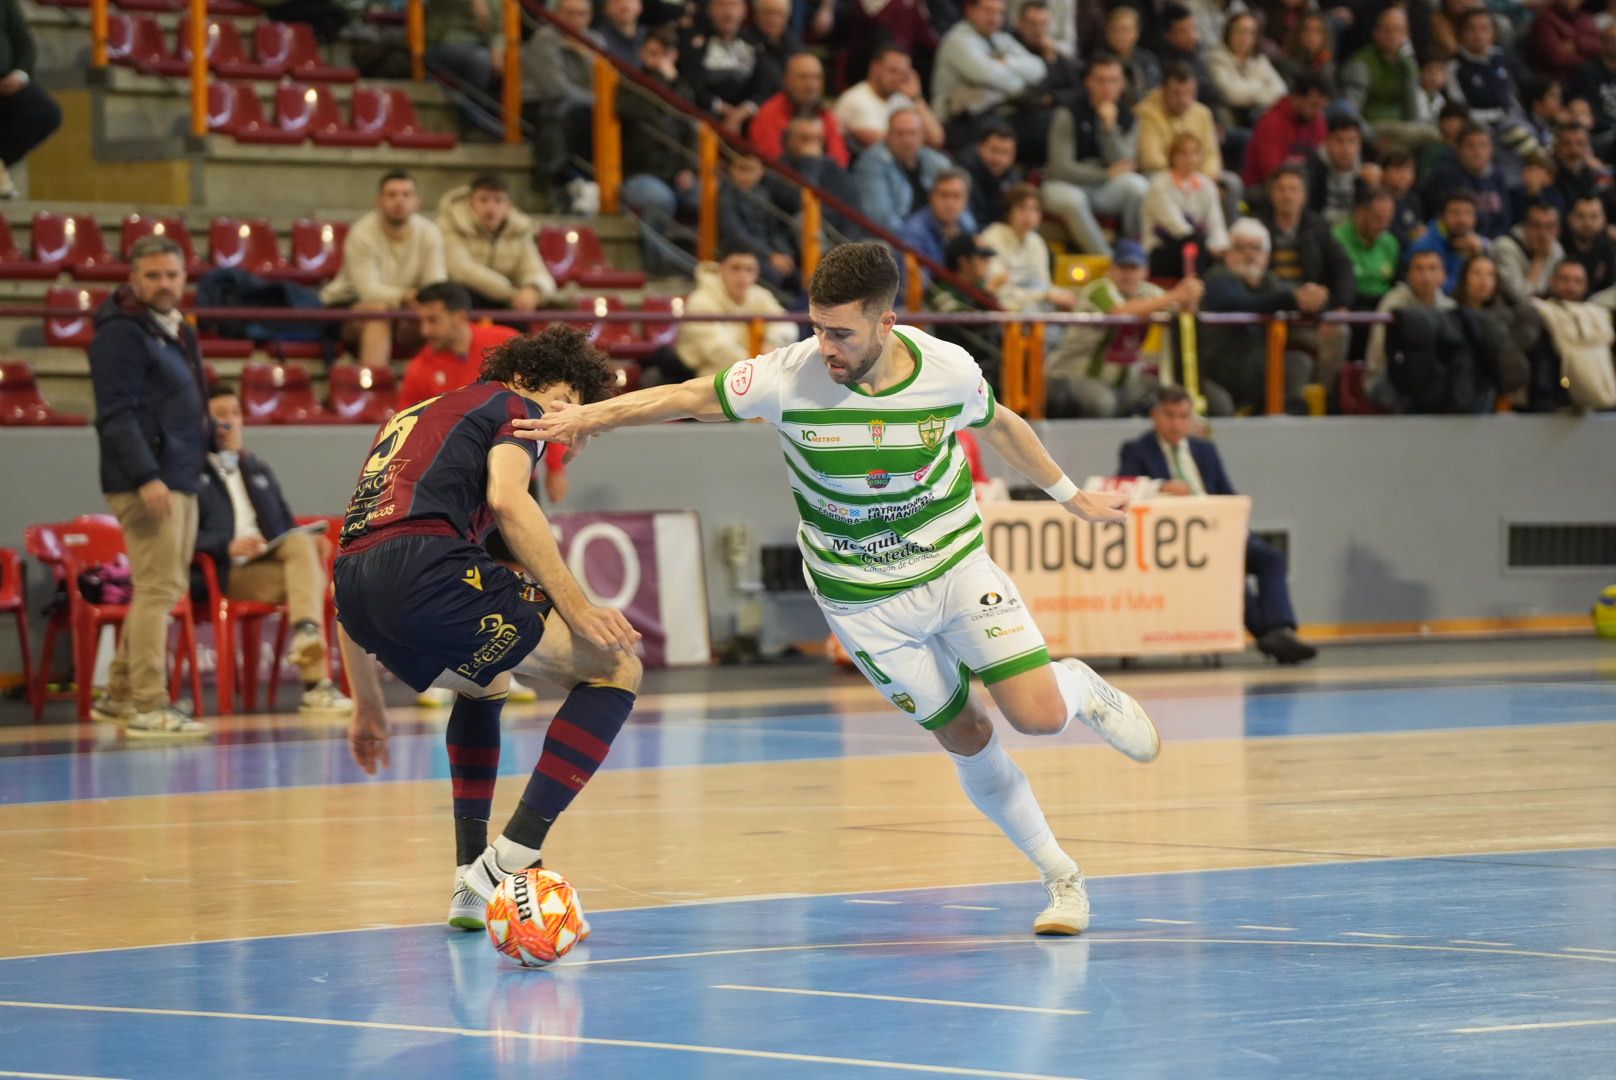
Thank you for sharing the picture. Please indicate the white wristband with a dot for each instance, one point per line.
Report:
(1062, 490)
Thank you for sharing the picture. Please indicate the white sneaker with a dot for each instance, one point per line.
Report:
(1068, 910)
(324, 699)
(435, 697)
(307, 647)
(521, 694)
(1115, 716)
(467, 911)
(166, 721)
(110, 711)
(484, 875)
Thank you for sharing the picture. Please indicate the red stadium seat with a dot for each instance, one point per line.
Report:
(72, 242)
(662, 333)
(404, 128)
(621, 340)
(250, 245)
(574, 255)
(317, 249)
(1353, 393)
(137, 41)
(362, 395)
(280, 394)
(303, 60)
(219, 348)
(234, 109)
(22, 405)
(237, 8)
(14, 264)
(313, 110)
(136, 226)
(75, 327)
(226, 52)
(625, 376)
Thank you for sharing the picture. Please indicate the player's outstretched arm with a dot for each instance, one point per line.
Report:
(1014, 440)
(527, 532)
(570, 425)
(367, 731)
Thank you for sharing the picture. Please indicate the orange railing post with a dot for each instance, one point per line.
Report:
(810, 233)
(608, 134)
(98, 33)
(914, 296)
(1278, 335)
(1032, 363)
(1012, 370)
(415, 36)
(754, 337)
(511, 90)
(707, 215)
(199, 67)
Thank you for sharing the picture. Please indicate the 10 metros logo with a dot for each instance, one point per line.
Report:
(1151, 542)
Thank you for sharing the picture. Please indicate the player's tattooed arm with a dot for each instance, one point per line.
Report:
(367, 731)
(1014, 440)
(570, 425)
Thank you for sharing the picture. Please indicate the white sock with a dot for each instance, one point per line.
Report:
(1074, 690)
(512, 856)
(997, 787)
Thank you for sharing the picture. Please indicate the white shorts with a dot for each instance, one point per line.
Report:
(920, 647)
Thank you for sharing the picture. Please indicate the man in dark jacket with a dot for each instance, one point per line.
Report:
(1305, 251)
(991, 165)
(658, 147)
(246, 527)
(1191, 466)
(748, 220)
(1473, 170)
(147, 373)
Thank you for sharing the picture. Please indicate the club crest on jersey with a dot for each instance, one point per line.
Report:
(904, 702)
(740, 378)
(878, 431)
(932, 430)
(878, 478)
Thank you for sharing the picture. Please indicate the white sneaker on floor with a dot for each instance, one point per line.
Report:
(484, 875)
(324, 699)
(1068, 910)
(521, 694)
(306, 648)
(435, 697)
(110, 711)
(166, 721)
(1115, 716)
(467, 911)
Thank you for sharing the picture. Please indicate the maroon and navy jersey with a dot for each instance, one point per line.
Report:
(428, 467)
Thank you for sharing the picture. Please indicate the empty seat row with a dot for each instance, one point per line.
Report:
(237, 8)
(278, 49)
(21, 403)
(307, 111)
(75, 243)
(74, 328)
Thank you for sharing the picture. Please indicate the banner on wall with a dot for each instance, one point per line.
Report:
(1169, 579)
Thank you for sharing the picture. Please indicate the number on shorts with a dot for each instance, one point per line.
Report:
(871, 668)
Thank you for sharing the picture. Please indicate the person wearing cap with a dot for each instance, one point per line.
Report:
(1103, 371)
(968, 258)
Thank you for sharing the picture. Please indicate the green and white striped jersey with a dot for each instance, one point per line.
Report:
(883, 489)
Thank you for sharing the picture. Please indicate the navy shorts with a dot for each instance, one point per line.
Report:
(423, 605)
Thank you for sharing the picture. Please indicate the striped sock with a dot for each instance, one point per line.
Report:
(576, 744)
(473, 741)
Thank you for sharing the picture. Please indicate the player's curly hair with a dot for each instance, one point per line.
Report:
(561, 354)
(863, 273)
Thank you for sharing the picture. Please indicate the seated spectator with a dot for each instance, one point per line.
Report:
(1021, 257)
(968, 260)
(805, 155)
(981, 70)
(1544, 103)
(558, 96)
(1595, 83)
(1370, 246)
(1452, 236)
(1035, 30)
(1307, 51)
(991, 165)
(721, 66)
(1180, 43)
(28, 115)
(726, 287)
(1292, 131)
(1444, 149)
(1537, 185)
(244, 524)
(1435, 73)
(1444, 23)
(1172, 111)
(777, 43)
(1245, 78)
(1335, 170)
(1588, 244)
(1578, 174)
(1183, 207)
(892, 84)
(620, 30)
(1421, 287)
(1484, 83)
(658, 182)
(1303, 251)
(1383, 83)
(1102, 371)
(904, 24)
(895, 177)
(1500, 336)
(1235, 357)
(389, 254)
(1528, 254)
(804, 92)
(1563, 38)
(1397, 176)
(1141, 71)
(489, 247)
(1092, 167)
(460, 43)
(1192, 466)
(748, 220)
(1212, 17)
(945, 216)
(1474, 171)
(1580, 334)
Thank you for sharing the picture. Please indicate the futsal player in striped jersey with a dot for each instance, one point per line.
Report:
(417, 591)
(892, 543)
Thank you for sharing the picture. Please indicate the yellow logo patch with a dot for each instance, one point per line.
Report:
(474, 578)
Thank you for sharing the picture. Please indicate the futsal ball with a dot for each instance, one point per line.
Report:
(1605, 613)
(534, 917)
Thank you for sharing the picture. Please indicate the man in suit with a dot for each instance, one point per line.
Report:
(1191, 466)
(240, 513)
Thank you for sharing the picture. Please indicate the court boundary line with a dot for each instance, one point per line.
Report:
(847, 994)
(1449, 857)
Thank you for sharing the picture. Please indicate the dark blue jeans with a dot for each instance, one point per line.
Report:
(1268, 605)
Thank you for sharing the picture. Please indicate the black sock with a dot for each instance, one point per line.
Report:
(526, 827)
(471, 837)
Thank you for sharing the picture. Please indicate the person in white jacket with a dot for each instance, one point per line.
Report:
(1183, 204)
(1021, 258)
(1245, 78)
(727, 287)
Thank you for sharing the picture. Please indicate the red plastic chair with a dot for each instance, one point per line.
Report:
(661, 333)
(87, 543)
(573, 254)
(404, 128)
(249, 244)
(73, 242)
(137, 226)
(281, 394)
(316, 250)
(234, 109)
(616, 339)
(137, 41)
(238, 8)
(303, 60)
(312, 108)
(14, 264)
(625, 376)
(1354, 395)
(362, 395)
(14, 598)
(75, 327)
(238, 627)
(22, 405)
(226, 52)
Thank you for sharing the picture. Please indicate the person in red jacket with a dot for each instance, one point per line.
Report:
(804, 92)
(1288, 132)
(1564, 37)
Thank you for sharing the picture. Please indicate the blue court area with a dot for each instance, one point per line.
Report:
(1497, 965)
(91, 767)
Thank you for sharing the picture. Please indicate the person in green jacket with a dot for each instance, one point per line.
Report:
(1382, 82)
(1370, 245)
(28, 115)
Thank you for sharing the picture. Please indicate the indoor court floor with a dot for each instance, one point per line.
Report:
(1400, 861)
